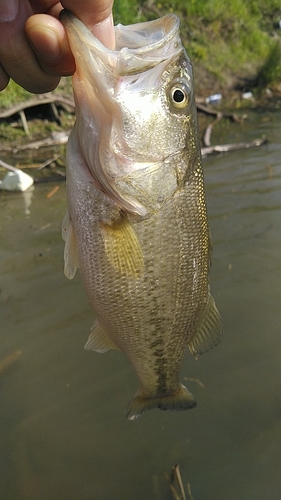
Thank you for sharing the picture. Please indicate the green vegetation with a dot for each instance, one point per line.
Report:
(12, 129)
(270, 72)
(226, 39)
(37, 129)
(13, 94)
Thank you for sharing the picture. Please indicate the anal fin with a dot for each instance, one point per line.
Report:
(99, 340)
(210, 330)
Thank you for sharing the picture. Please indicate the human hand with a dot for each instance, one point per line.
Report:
(34, 49)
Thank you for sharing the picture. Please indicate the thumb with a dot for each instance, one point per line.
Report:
(97, 16)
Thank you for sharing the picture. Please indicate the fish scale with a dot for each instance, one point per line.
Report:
(137, 223)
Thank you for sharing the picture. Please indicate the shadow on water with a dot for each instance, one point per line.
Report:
(62, 431)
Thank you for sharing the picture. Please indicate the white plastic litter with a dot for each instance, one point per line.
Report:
(214, 99)
(15, 179)
(247, 95)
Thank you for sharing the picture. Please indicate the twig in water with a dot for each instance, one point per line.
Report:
(174, 492)
(189, 492)
(48, 162)
(52, 192)
(176, 475)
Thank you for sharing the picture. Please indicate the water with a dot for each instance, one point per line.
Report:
(62, 430)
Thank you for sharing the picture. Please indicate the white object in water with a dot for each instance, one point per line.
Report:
(15, 180)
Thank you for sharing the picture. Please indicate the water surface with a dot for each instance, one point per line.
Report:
(62, 430)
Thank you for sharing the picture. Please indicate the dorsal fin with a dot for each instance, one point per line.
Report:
(70, 248)
(99, 340)
(122, 247)
(209, 332)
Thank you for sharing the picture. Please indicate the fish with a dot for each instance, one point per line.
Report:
(137, 225)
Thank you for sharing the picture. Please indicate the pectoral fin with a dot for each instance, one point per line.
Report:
(210, 330)
(98, 340)
(122, 247)
(70, 247)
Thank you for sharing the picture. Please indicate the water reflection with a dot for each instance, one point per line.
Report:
(62, 432)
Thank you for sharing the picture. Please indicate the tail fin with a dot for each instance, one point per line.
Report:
(179, 399)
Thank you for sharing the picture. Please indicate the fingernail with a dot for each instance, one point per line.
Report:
(45, 42)
(104, 31)
(4, 78)
(8, 10)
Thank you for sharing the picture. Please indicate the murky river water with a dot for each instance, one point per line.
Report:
(63, 435)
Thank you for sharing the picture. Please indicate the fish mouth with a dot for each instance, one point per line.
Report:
(143, 49)
(138, 47)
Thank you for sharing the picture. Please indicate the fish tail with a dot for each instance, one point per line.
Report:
(179, 399)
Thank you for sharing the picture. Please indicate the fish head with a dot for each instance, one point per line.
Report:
(135, 104)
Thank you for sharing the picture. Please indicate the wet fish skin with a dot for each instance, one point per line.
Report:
(137, 225)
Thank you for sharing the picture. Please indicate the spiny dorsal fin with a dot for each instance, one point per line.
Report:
(210, 330)
(70, 248)
(122, 247)
(99, 340)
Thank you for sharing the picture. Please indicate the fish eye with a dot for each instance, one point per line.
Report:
(179, 95)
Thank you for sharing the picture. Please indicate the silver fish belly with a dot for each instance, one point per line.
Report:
(137, 223)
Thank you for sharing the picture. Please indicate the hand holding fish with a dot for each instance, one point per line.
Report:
(34, 49)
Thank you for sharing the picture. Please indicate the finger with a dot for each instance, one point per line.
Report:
(16, 56)
(90, 12)
(4, 79)
(50, 44)
(97, 16)
(45, 6)
(104, 31)
(51, 7)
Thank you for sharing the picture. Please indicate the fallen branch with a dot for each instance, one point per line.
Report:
(213, 112)
(48, 162)
(30, 103)
(53, 100)
(208, 131)
(8, 166)
(218, 116)
(55, 139)
(225, 148)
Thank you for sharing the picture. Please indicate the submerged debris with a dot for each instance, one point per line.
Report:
(176, 485)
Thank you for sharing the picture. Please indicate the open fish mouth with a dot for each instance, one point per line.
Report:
(137, 47)
(116, 87)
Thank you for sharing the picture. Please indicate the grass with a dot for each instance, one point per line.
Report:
(270, 72)
(12, 130)
(13, 94)
(223, 37)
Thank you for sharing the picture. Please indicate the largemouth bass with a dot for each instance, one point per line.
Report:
(137, 223)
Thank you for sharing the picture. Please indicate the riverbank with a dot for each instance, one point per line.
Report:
(233, 45)
(235, 50)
